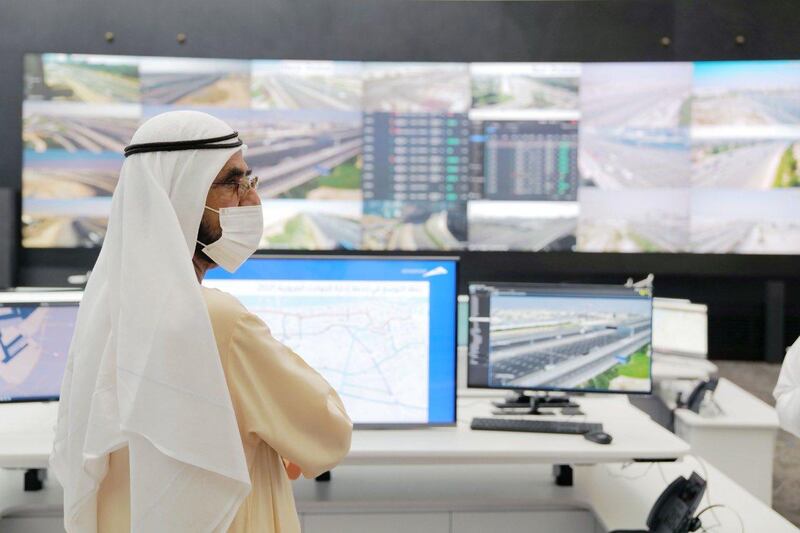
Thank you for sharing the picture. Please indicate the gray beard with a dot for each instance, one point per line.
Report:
(206, 235)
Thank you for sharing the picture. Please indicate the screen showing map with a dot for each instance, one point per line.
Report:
(381, 331)
(34, 342)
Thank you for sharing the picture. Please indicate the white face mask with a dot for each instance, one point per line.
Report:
(241, 234)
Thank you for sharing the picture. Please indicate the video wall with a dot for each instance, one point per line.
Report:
(587, 157)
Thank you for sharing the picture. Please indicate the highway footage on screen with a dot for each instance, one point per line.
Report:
(560, 339)
(34, 341)
(587, 157)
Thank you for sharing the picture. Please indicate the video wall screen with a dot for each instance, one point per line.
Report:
(587, 157)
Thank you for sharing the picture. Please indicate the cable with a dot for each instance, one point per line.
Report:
(712, 506)
(708, 508)
(719, 524)
(707, 494)
(626, 465)
(661, 471)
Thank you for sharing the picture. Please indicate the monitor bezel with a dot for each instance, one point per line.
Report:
(564, 286)
(67, 298)
(455, 259)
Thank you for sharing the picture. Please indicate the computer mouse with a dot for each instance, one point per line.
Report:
(600, 437)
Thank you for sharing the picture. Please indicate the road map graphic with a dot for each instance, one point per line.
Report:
(34, 342)
(369, 339)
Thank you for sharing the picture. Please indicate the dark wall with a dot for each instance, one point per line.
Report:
(9, 220)
(746, 295)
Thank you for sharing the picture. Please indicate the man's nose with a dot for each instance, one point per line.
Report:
(251, 198)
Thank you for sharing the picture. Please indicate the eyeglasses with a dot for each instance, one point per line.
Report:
(245, 185)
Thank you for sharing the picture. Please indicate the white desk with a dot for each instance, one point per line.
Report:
(454, 499)
(672, 367)
(418, 480)
(26, 434)
(621, 497)
(740, 441)
(517, 498)
(13, 501)
(635, 437)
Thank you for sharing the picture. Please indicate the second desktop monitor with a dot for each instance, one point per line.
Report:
(560, 337)
(381, 330)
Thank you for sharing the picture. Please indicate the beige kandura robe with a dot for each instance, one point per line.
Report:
(284, 409)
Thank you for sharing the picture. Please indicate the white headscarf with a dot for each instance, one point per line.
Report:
(143, 369)
(787, 391)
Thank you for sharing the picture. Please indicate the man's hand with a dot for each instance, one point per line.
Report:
(292, 470)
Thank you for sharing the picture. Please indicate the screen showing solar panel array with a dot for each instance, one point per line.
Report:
(588, 157)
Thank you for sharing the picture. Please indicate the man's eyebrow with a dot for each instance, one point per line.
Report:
(235, 173)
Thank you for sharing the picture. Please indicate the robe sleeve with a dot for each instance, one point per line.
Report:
(285, 402)
(787, 391)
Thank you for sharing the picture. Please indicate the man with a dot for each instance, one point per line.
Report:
(787, 391)
(177, 402)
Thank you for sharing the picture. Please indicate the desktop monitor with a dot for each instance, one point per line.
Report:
(35, 334)
(381, 330)
(573, 338)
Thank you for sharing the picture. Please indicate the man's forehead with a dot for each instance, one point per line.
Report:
(235, 165)
(236, 160)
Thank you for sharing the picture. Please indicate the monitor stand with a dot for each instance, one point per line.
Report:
(533, 404)
(518, 398)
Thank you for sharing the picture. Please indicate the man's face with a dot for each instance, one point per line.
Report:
(224, 192)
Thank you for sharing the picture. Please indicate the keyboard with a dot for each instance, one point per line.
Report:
(535, 426)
